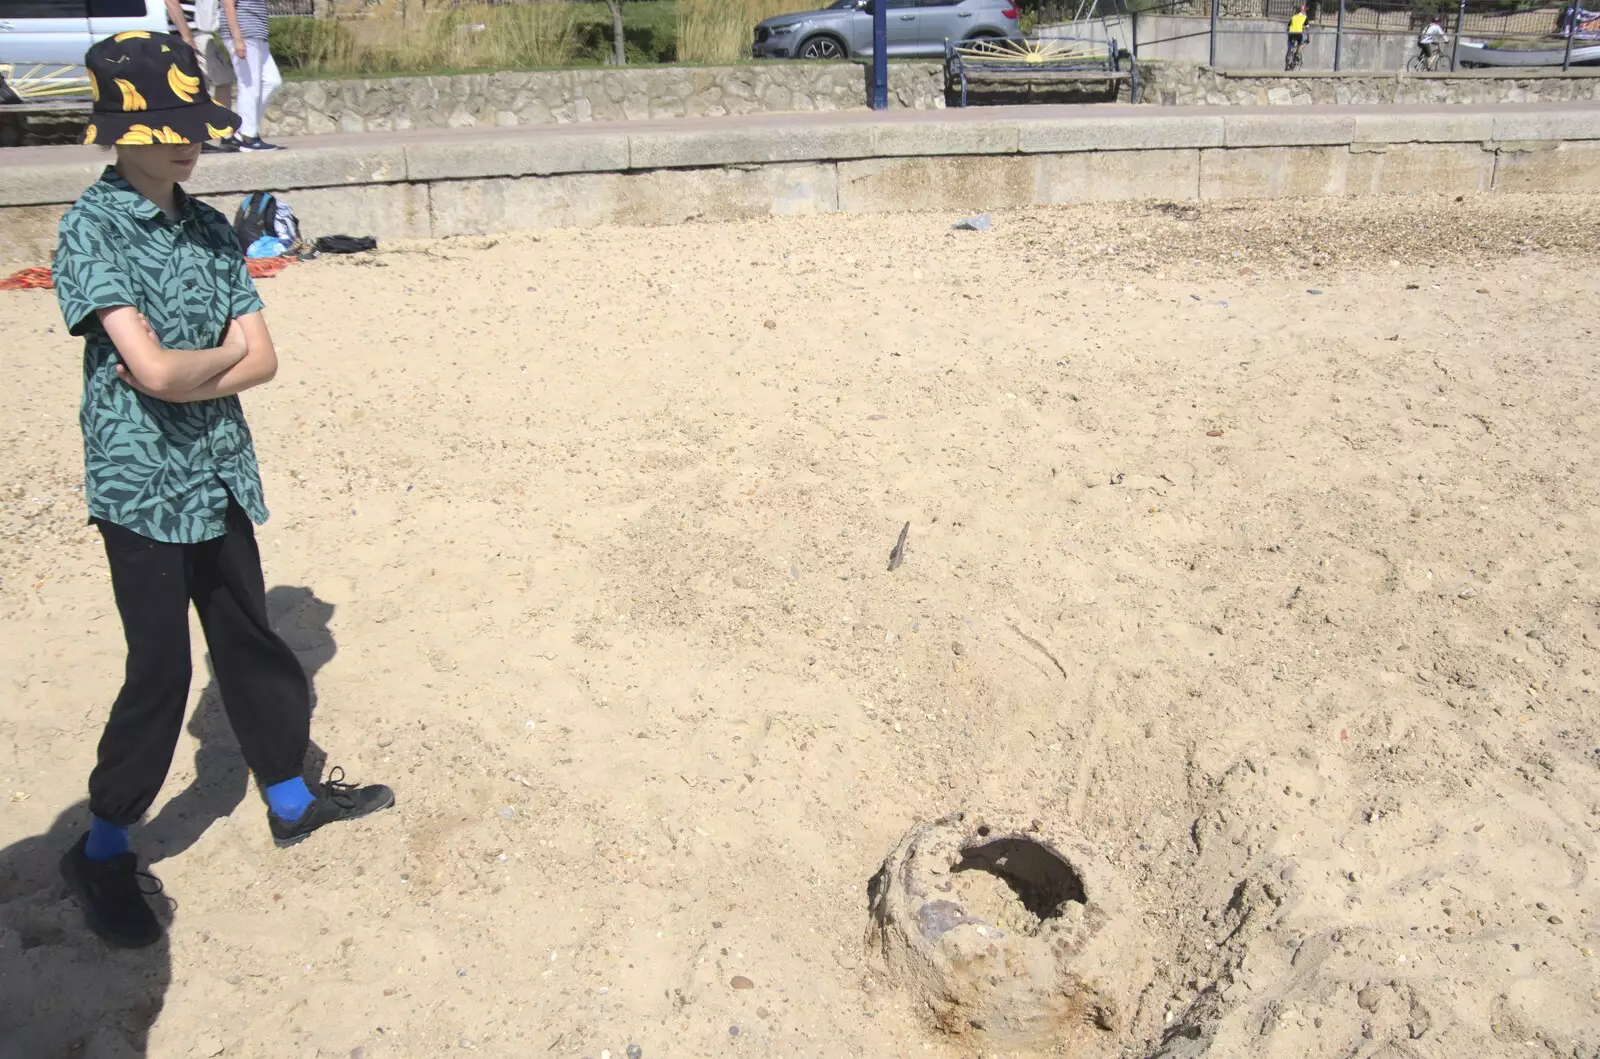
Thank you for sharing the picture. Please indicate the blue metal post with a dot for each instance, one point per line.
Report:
(1211, 55)
(1572, 31)
(1338, 39)
(1455, 45)
(880, 54)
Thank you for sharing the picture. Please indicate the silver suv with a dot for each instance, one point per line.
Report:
(916, 28)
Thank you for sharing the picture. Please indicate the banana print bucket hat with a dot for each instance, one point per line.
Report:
(147, 88)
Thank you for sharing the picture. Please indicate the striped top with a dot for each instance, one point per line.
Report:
(252, 20)
(188, 15)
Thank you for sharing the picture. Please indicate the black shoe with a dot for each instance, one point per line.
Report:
(112, 896)
(228, 145)
(256, 143)
(338, 801)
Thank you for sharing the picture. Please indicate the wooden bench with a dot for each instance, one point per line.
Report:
(1030, 58)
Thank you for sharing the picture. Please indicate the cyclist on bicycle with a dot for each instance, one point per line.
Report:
(1431, 40)
(1297, 35)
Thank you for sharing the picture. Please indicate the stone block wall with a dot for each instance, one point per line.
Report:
(310, 108)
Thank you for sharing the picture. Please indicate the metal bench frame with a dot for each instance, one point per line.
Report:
(1065, 58)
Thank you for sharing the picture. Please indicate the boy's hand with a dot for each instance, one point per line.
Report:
(234, 340)
(239, 48)
(133, 380)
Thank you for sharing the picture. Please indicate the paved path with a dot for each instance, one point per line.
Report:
(951, 116)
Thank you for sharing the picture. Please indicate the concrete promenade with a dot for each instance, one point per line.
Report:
(439, 183)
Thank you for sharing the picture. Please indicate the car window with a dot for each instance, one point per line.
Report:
(44, 9)
(938, 3)
(115, 8)
(893, 4)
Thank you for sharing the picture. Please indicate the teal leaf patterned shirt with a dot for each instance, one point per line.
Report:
(165, 471)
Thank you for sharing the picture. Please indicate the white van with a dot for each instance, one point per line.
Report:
(42, 41)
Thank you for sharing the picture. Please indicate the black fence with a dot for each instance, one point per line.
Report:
(1489, 21)
(1232, 34)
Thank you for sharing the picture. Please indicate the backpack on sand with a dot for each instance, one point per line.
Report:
(263, 213)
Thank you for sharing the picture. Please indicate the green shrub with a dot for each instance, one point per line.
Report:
(646, 44)
(649, 29)
(298, 42)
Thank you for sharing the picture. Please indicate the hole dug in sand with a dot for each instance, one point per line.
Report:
(1018, 885)
(1010, 930)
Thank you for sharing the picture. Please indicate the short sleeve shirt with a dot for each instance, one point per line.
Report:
(165, 471)
(252, 16)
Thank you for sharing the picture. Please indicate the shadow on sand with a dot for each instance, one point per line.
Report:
(65, 994)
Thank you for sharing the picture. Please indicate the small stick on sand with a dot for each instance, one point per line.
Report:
(898, 555)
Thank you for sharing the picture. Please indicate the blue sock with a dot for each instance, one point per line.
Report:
(105, 840)
(290, 799)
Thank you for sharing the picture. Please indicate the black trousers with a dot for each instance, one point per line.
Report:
(264, 689)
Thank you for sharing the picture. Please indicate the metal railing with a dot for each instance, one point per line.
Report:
(1341, 34)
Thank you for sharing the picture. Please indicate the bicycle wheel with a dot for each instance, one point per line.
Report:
(1295, 60)
(1416, 64)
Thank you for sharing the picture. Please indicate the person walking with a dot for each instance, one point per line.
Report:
(244, 28)
(155, 284)
(197, 22)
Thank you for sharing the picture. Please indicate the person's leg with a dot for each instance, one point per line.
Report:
(265, 691)
(271, 79)
(264, 688)
(149, 580)
(247, 76)
(264, 79)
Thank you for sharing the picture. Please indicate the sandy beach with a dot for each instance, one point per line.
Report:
(1256, 542)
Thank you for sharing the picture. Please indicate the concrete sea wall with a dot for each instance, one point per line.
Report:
(434, 184)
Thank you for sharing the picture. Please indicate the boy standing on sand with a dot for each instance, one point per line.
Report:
(155, 284)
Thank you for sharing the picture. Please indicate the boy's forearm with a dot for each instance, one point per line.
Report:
(255, 369)
(181, 370)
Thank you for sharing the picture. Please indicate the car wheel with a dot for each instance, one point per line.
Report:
(826, 48)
